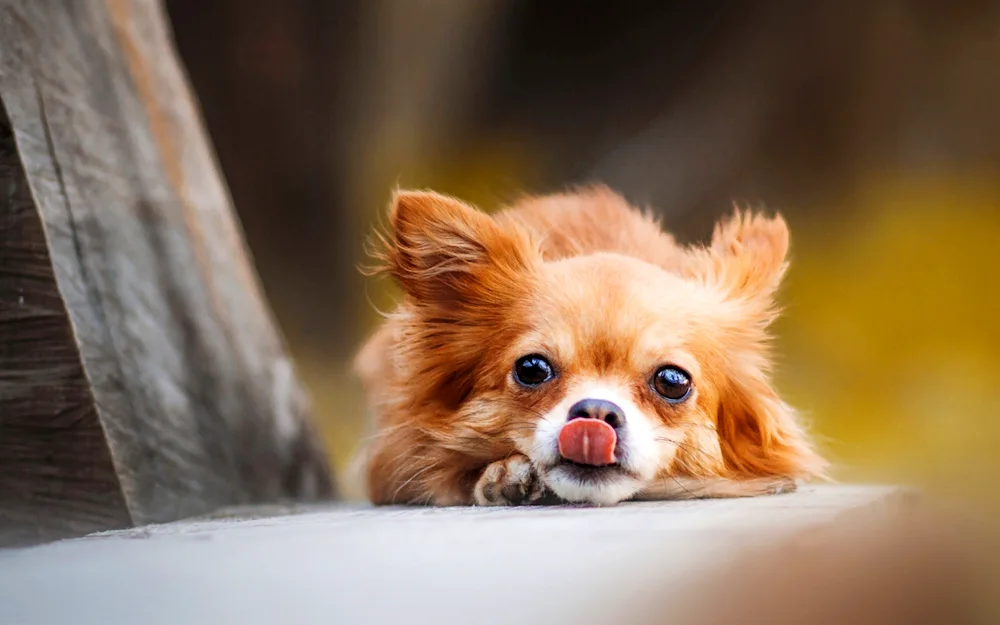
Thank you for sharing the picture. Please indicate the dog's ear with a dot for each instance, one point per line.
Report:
(760, 435)
(443, 251)
(463, 275)
(746, 260)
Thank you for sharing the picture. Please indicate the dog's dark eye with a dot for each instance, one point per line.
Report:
(532, 370)
(672, 384)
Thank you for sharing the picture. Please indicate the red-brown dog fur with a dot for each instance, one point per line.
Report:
(597, 283)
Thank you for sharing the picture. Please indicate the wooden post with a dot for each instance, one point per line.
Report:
(142, 378)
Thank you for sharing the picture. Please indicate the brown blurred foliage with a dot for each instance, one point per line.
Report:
(872, 126)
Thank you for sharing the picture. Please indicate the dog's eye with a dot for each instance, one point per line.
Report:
(532, 370)
(672, 384)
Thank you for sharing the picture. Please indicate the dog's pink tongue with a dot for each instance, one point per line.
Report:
(588, 441)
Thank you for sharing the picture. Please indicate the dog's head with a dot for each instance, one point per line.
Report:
(608, 372)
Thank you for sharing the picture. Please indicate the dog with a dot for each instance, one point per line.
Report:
(567, 346)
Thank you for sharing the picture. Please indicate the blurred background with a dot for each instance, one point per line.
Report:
(873, 127)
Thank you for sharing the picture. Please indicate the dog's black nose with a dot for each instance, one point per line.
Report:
(609, 412)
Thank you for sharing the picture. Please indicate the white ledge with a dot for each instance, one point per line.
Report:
(355, 564)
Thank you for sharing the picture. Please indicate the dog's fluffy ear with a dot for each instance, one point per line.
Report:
(760, 435)
(443, 251)
(746, 260)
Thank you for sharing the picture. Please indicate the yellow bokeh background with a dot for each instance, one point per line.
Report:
(891, 336)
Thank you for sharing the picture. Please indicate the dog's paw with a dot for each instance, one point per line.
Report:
(508, 482)
(783, 485)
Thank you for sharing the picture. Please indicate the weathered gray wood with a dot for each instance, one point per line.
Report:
(56, 474)
(357, 565)
(188, 375)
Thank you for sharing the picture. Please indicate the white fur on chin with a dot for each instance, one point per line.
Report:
(641, 456)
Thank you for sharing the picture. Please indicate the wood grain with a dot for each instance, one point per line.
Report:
(56, 475)
(190, 378)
